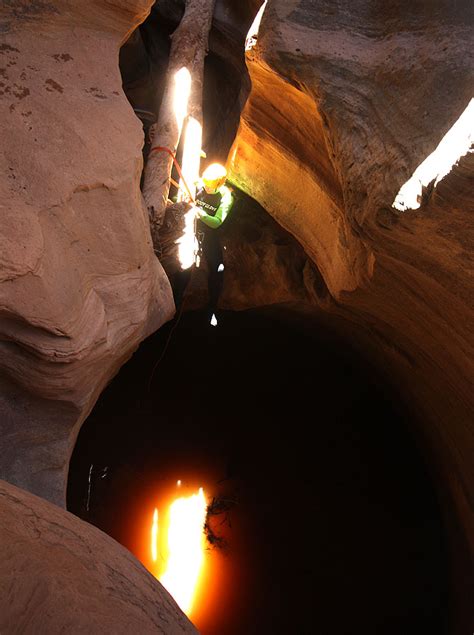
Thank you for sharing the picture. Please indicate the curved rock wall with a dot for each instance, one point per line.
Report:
(80, 284)
(348, 99)
(61, 575)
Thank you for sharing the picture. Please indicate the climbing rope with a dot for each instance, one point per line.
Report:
(177, 319)
(178, 167)
(170, 335)
(188, 284)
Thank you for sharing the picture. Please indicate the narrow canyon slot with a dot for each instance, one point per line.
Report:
(236, 308)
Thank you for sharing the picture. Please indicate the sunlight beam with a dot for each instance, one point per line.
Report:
(191, 161)
(182, 91)
(455, 144)
(252, 34)
(187, 242)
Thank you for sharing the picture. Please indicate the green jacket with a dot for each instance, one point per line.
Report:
(217, 206)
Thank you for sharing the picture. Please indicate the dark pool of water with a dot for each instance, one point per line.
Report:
(337, 529)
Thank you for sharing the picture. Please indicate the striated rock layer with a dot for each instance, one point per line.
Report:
(61, 575)
(80, 285)
(348, 99)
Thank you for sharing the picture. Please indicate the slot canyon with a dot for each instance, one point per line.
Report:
(328, 417)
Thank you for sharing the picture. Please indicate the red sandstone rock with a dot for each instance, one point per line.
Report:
(347, 101)
(81, 286)
(61, 575)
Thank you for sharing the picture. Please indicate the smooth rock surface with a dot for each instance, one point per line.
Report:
(80, 284)
(61, 575)
(348, 99)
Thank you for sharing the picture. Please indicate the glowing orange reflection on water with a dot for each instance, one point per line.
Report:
(213, 595)
(154, 536)
(178, 547)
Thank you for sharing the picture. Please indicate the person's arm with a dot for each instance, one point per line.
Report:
(222, 212)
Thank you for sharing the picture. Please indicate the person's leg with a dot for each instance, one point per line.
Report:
(179, 284)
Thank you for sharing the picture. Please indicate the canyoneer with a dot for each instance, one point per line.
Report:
(214, 200)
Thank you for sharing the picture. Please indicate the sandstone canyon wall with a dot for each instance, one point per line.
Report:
(80, 284)
(348, 98)
(61, 575)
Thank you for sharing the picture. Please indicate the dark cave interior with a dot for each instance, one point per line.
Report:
(337, 528)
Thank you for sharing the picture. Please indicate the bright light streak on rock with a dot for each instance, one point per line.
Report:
(191, 158)
(154, 537)
(186, 544)
(182, 90)
(252, 34)
(455, 144)
(187, 243)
